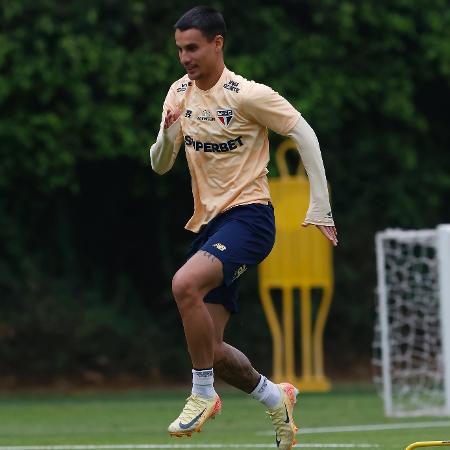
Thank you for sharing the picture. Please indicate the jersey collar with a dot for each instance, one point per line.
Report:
(219, 83)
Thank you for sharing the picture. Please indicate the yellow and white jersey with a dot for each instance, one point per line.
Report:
(224, 130)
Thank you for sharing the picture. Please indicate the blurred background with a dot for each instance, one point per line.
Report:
(90, 237)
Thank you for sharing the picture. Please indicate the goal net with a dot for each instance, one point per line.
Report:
(412, 339)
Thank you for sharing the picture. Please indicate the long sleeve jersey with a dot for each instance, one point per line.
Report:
(224, 130)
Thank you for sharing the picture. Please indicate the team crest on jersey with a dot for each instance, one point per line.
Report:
(225, 116)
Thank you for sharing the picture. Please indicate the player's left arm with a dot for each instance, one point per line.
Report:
(268, 108)
(319, 211)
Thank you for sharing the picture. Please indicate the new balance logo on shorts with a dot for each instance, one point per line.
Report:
(220, 246)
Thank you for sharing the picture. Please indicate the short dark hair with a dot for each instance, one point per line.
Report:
(204, 18)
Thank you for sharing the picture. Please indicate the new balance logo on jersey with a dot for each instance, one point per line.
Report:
(206, 116)
(227, 146)
(184, 86)
(232, 86)
(220, 246)
(225, 116)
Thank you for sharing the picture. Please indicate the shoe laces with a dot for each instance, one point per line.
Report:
(194, 404)
(276, 417)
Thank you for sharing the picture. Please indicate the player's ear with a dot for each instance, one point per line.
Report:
(219, 43)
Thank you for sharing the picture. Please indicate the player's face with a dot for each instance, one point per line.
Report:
(197, 55)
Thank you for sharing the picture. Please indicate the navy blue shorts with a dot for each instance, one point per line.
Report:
(240, 237)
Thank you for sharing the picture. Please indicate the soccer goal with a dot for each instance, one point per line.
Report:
(412, 331)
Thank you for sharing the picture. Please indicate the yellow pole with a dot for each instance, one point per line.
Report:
(275, 330)
(322, 314)
(306, 317)
(280, 157)
(428, 444)
(288, 328)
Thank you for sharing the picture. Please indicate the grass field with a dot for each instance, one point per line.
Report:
(345, 418)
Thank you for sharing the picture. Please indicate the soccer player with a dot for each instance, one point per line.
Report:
(222, 119)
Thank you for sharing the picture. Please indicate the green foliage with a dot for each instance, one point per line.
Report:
(90, 237)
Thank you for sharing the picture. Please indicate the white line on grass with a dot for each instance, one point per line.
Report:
(373, 427)
(181, 446)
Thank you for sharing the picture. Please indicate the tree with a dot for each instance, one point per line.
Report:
(90, 237)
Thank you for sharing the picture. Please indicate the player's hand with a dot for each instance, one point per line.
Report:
(171, 117)
(329, 232)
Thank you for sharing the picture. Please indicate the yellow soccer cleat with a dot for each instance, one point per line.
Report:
(282, 417)
(195, 413)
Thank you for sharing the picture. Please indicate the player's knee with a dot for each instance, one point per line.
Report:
(184, 290)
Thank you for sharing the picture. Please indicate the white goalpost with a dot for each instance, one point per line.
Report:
(412, 332)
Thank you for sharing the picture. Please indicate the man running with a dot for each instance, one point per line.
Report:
(222, 119)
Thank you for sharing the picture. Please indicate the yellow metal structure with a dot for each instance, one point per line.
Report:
(428, 444)
(301, 259)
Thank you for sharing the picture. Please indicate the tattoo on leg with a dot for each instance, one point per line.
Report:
(209, 256)
(235, 368)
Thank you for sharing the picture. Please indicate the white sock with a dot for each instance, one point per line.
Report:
(203, 383)
(267, 393)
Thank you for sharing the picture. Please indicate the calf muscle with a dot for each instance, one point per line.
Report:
(234, 368)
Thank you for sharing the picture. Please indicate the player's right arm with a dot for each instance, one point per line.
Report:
(165, 150)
